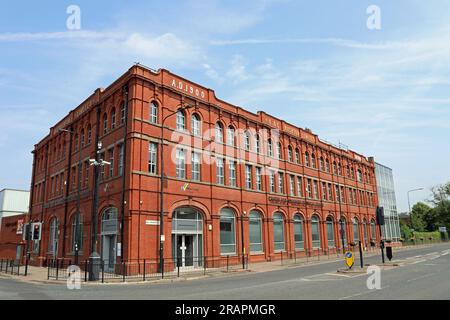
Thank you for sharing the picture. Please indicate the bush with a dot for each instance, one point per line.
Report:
(435, 235)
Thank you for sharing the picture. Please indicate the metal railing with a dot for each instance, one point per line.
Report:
(145, 269)
(12, 266)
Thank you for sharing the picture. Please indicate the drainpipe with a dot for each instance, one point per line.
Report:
(122, 209)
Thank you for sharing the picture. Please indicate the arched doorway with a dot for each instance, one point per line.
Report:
(109, 238)
(187, 237)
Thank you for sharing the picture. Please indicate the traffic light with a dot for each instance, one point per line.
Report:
(37, 227)
(380, 216)
(26, 232)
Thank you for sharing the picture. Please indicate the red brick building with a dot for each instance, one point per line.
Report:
(235, 181)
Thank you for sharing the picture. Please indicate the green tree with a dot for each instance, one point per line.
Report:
(419, 213)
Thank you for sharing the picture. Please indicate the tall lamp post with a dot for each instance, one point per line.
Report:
(161, 189)
(409, 204)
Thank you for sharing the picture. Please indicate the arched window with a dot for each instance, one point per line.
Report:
(297, 156)
(278, 232)
(105, 123)
(77, 233)
(322, 164)
(327, 165)
(82, 138)
(89, 134)
(122, 113)
(355, 229)
(298, 232)
(269, 148)
(279, 152)
(109, 220)
(227, 231)
(289, 153)
(113, 118)
(330, 232)
(359, 175)
(153, 112)
(335, 167)
(181, 120)
(307, 159)
(246, 140)
(230, 136)
(53, 237)
(195, 125)
(339, 169)
(313, 160)
(255, 226)
(219, 132)
(257, 144)
(75, 142)
(315, 231)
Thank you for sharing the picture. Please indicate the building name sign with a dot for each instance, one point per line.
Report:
(187, 88)
(293, 202)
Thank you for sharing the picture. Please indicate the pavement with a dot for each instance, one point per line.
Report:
(415, 273)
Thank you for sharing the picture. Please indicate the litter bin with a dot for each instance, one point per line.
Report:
(94, 267)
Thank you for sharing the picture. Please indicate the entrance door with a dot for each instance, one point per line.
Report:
(109, 251)
(185, 250)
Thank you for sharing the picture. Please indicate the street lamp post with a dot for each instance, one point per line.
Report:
(242, 239)
(161, 190)
(409, 204)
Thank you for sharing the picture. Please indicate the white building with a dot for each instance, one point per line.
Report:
(13, 202)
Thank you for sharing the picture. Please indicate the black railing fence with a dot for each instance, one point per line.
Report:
(12, 266)
(144, 269)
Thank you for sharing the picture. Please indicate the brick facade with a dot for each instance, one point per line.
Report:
(102, 117)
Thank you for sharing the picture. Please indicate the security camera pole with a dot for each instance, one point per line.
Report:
(97, 162)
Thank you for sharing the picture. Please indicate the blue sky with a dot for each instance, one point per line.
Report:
(313, 63)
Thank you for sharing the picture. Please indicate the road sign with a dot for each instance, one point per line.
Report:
(442, 229)
(349, 259)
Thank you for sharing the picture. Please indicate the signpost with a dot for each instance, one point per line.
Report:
(349, 259)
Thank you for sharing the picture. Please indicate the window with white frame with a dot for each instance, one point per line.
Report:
(292, 185)
(219, 171)
(195, 125)
(230, 136)
(330, 232)
(153, 112)
(232, 173)
(227, 231)
(298, 232)
(180, 164)
(248, 176)
(152, 157)
(315, 232)
(299, 187)
(219, 132)
(280, 182)
(258, 179)
(180, 120)
(195, 167)
(278, 231)
(255, 231)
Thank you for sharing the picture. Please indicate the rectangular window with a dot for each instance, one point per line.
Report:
(309, 188)
(219, 171)
(111, 160)
(342, 195)
(248, 176)
(121, 159)
(272, 181)
(258, 179)
(316, 190)
(195, 166)
(232, 172)
(330, 192)
(152, 157)
(280, 182)
(292, 185)
(180, 164)
(299, 187)
(324, 191)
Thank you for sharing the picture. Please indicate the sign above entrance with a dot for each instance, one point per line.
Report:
(152, 222)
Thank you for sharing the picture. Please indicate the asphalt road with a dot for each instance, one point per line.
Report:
(423, 273)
